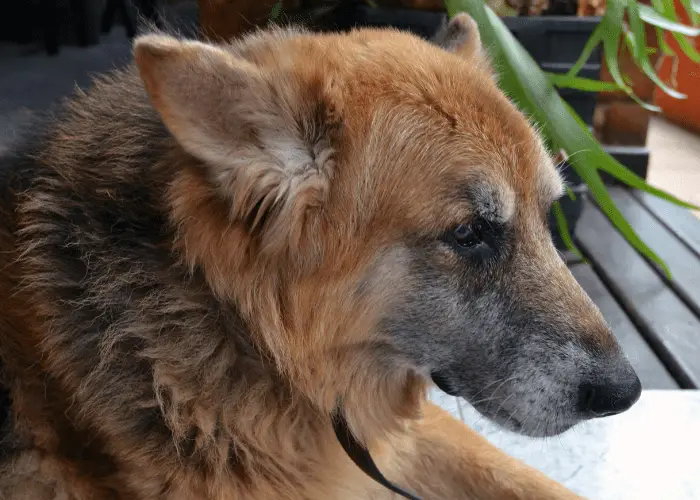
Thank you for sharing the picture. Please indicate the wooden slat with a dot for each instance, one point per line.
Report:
(650, 370)
(678, 219)
(670, 328)
(683, 262)
(570, 257)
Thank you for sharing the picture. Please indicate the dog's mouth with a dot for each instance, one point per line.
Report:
(506, 416)
(443, 383)
(502, 416)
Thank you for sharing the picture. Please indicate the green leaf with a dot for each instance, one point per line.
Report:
(563, 227)
(624, 174)
(580, 83)
(637, 29)
(607, 205)
(612, 29)
(453, 7)
(570, 193)
(661, 39)
(651, 16)
(593, 41)
(276, 10)
(667, 9)
(610, 165)
(611, 25)
(636, 41)
(688, 6)
(648, 69)
(659, 6)
(687, 47)
(577, 117)
(649, 107)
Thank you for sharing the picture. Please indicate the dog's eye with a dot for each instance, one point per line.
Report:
(479, 241)
(468, 235)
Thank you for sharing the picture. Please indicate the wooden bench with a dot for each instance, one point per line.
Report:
(656, 320)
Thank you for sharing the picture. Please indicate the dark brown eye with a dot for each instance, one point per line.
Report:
(467, 235)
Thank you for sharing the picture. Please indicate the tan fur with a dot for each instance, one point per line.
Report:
(278, 229)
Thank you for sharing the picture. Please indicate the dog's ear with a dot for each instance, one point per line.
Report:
(264, 133)
(461, 36)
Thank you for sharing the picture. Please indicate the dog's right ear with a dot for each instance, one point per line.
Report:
(265, 134)
(461, 36)
(200, 91)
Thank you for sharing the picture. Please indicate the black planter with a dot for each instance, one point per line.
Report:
(554, 42)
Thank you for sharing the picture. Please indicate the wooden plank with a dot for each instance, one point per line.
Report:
(669, 327)
(650, 370)
(570, 257)
(683, 262)
(677, 219)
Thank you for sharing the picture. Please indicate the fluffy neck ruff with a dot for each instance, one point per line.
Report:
(300, 321)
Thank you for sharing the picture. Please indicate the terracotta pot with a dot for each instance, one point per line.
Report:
(686, 78)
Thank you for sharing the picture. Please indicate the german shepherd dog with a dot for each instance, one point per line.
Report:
(215, 250)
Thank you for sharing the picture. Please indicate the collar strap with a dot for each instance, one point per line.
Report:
(361, 457)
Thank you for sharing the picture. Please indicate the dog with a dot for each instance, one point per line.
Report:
(216, 249)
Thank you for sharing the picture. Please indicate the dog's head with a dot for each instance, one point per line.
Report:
(377, 209)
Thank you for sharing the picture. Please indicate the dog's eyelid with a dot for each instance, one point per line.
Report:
(489, 200)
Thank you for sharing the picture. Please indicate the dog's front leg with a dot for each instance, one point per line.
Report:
(441, 458)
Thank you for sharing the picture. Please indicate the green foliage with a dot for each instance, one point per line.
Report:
(563, 228)
(533, 91)
(579, 83)
(276, 10)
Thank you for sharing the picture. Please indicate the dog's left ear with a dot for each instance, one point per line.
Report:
(461, 36)
(264, 134)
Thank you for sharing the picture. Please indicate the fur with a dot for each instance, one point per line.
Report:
(210, 251)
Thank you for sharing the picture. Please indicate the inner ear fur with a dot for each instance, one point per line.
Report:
(265, 135)
(461, 36)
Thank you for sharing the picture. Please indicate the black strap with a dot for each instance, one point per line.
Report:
(360, 455)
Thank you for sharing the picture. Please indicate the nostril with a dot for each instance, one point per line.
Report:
(586, 397)
(603, 400)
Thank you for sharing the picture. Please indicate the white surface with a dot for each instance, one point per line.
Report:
(650, 452)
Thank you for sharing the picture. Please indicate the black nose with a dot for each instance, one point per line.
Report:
(603, 400)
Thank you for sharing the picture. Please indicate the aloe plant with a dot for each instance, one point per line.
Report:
(534, 92)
